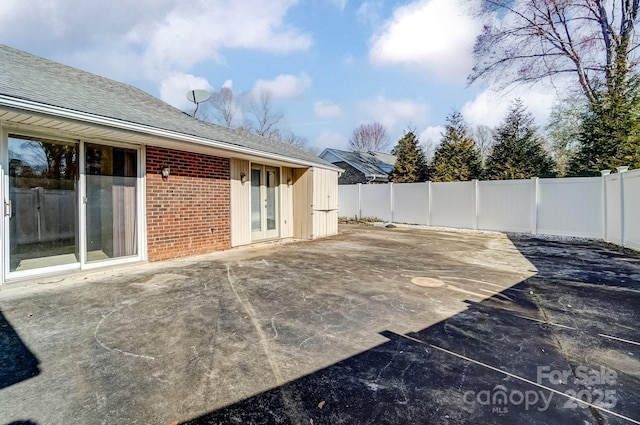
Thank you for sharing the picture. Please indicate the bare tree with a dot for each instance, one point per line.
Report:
(594, 40)
(563, 131)
(293, 139)
(429, 148)
(370, 137)
(287, 136)
(483, 136)
(263, 119)
(224, 107)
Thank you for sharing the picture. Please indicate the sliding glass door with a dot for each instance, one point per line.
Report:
(69, 204)
(111, 187)
(43, 207)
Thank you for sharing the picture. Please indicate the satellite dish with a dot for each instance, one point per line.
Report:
(197, 97)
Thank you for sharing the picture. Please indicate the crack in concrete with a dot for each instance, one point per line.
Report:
(262, 337)
(289, 403)
(117, 350)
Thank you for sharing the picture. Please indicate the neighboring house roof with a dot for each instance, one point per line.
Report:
(374, 165)
(31, 83)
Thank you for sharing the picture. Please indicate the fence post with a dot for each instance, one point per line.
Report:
(390, 202)
(534, 205)
(359, 201)
(604, 174)
(621, 171)
(429, 202)
(475, 204)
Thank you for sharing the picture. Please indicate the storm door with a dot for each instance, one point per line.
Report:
(265, 202)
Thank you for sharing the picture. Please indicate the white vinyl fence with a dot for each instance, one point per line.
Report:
(606, 207)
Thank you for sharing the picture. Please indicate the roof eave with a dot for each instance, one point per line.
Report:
(69, 114)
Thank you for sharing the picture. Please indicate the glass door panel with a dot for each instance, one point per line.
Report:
(111, 207)
(43, 191)
(256, 197)
(265, 200)
(271, 202)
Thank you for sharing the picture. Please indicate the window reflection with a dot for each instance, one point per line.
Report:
(111, 202)
(43, 227)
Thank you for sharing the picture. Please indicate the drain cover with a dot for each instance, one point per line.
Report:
(427, 282)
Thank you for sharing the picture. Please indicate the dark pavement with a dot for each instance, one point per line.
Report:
(372, 326)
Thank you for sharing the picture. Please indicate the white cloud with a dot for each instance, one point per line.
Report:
(430, 138)
(198, 31)
(326, 110)
(490, 106)
(285, 86)
(393, 112)
(431, 134)
(174, 88)
(228, 84)
(435, 35)
(487, 108)
(331, 139)
(154, 39)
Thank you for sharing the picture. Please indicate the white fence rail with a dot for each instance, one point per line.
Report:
(606, 207)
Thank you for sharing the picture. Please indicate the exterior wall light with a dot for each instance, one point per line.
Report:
(243, 178)
(289, 181)
(165, 172)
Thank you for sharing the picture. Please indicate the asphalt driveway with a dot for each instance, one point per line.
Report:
(372, 326)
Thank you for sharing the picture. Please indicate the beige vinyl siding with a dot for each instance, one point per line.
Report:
(286, 184)
(325, 203)
(240, 207)
(302, 199)
(309, 205)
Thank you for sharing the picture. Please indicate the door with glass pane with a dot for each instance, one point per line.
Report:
(43, 203)
(265, 202)
(110, 202)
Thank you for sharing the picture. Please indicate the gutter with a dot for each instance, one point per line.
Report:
(376, 177)
(56, 111)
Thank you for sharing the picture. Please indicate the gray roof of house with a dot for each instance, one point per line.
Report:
(376, 165)
(29, 77)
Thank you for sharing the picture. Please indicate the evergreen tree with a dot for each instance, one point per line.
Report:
(456, 159)
(410, 164)
(609, 136)
(518, 152)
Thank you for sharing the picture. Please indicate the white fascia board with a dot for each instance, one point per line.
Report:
(59, 112)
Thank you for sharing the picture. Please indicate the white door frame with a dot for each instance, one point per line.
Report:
(5, 273)
(264, 233)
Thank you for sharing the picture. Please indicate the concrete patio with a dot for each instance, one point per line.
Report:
(372, 326)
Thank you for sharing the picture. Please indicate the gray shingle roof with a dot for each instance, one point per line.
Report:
(29, 77)
(371, 164)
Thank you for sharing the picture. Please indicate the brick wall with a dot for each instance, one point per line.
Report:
(189, 212)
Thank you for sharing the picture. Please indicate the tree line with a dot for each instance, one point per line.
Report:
(592, 43)
(589, 47)
(515, 149)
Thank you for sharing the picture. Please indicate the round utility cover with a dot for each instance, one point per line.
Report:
(198, 96)
(427, 282)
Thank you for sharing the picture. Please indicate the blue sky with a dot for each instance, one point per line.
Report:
(330, 65)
